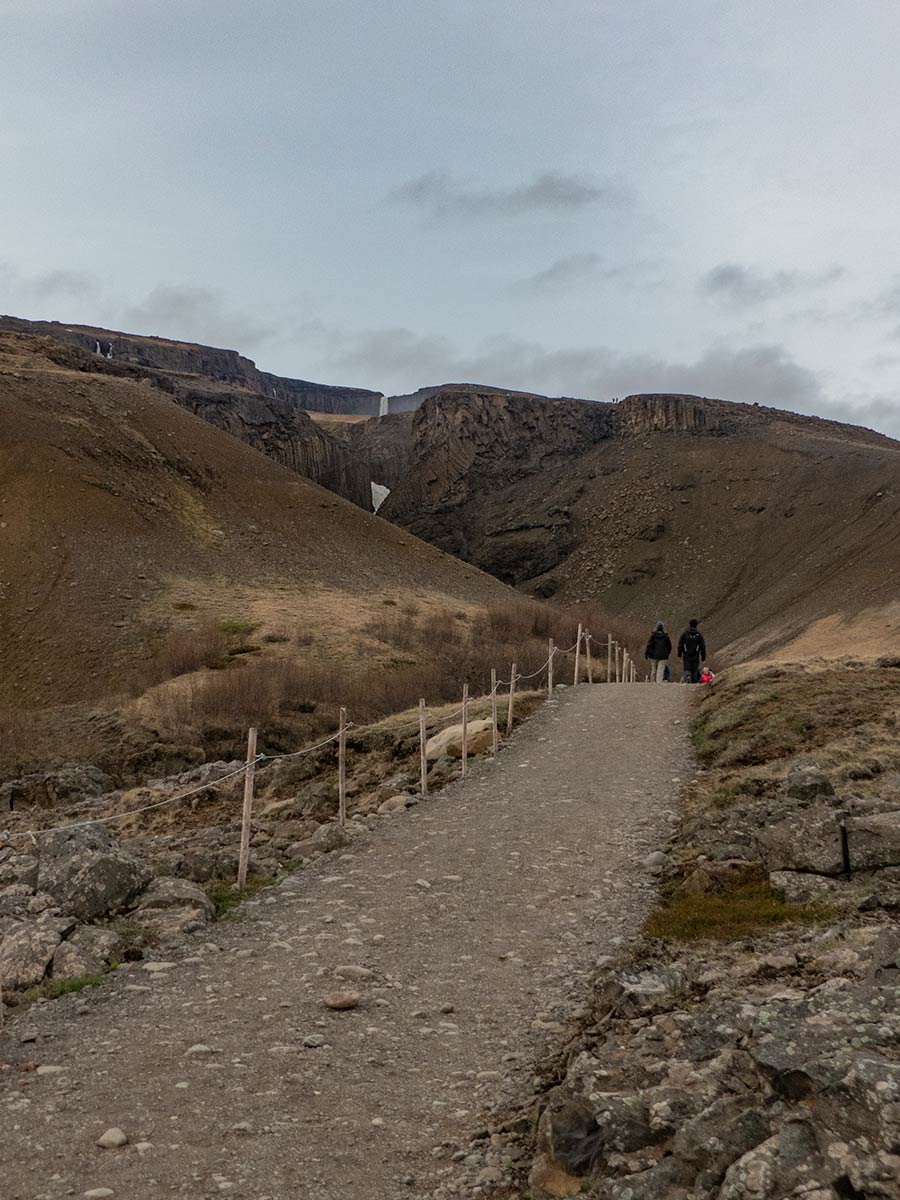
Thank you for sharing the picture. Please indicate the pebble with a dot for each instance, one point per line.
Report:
(352, 971)
(112, 1139)
(98, 1193)
(47, 1069)
(341, 1001)
(200, 1049)
(314, 1040)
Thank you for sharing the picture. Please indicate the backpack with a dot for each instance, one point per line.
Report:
(691, 644)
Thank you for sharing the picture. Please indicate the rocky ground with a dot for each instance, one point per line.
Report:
(348, 1034)
(751, 1050)
(77, 897)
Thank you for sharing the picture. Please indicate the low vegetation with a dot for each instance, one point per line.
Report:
(763, 717)
(53, 988)
(744, 908)
(398, 657)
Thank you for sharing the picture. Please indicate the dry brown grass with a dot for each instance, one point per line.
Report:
(187, 649)
(405, 652)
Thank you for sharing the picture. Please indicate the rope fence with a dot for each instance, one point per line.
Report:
(618, 663)
(620, 668)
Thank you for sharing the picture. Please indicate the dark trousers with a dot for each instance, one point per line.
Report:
(691, 670)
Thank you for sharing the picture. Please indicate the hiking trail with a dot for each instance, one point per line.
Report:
(479, 913)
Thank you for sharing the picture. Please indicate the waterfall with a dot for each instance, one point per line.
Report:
(383, 406)
(379, 494)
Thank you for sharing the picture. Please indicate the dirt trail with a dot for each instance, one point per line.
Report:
(494, 897)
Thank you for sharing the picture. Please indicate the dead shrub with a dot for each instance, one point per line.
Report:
(185, 650)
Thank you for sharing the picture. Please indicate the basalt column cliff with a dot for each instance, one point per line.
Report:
(757, 520)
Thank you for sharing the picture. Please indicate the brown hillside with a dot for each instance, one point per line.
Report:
(122, 512)
(221, 386)
(765, 524)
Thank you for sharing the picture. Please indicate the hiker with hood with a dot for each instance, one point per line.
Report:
(657, 653)
(692, 652)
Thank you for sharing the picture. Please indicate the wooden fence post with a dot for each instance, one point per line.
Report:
(465, 730)
(587, 655)
(551, 650)
(512, 693)
(616, 650)
(244, 856)
(494, 737)
(609, 658)
(577, 655)
(342, 770)
(423, 760)
(625, 661)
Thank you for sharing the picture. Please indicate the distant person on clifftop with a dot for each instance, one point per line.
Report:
(692, 652)
(657, 653)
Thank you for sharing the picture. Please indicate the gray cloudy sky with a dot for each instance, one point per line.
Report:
(583, 198)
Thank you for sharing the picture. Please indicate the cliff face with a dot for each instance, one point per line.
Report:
(671, 413)
(463, 442)
(385, 445)
(662, 506)
(469, 452)
(227, 390)
(208, 362)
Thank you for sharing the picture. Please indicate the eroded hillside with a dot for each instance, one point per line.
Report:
(121, 512)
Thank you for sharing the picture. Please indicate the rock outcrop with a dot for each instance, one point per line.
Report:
(205, 362)
(659, 504)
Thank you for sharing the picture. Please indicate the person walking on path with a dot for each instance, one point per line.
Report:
(659, 647)
(692, 652)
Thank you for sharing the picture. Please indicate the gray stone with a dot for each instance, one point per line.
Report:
(327, 837)
(18, 869)
(806, 841)
(112, 1139)
(636, 993)
(27, 950)
(341, 1001)
(806, 782)
(172, 908)
(74, 781)
(88, 873)
(88, 951)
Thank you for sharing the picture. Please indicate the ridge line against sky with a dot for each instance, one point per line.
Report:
(593, 200)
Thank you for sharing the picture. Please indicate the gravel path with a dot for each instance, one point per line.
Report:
(494, 897)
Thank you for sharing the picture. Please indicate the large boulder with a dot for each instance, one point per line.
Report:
(27, 949)
(811, 841)
(171, 908)
(88, 873)
(806, 841)
(805, 782)
(88, 951)
(449, 741)
(327, 837)
(18, 868)
(73, 781)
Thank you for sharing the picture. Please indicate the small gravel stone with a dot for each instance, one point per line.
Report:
(341, 1001)
(112, 1139)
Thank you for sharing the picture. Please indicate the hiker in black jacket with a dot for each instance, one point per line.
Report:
(657, 653)
(692, 652)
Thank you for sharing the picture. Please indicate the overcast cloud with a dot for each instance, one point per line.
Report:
(549, 192)
(578, 198)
